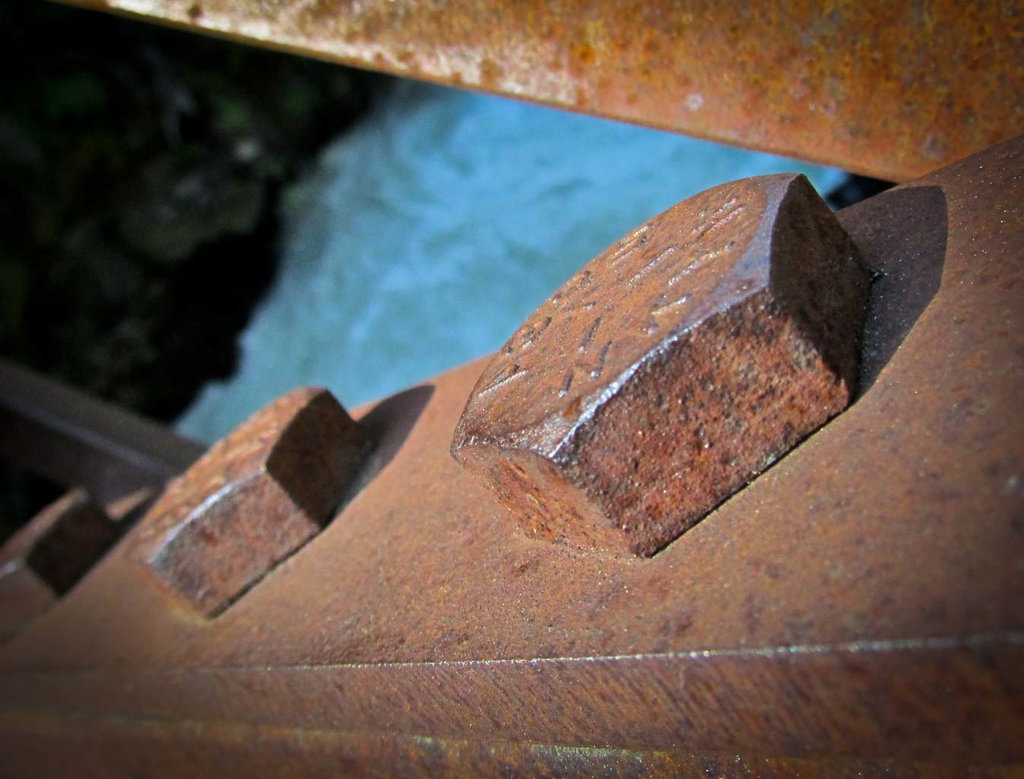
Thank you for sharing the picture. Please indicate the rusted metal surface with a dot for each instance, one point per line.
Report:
(889, 89)
(857, 607)
(146, 748)
(78, 441)
(673, 368)
(254, 498)
(48, 556)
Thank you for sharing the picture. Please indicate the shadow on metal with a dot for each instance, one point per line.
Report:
(902, 236)
(388, 423)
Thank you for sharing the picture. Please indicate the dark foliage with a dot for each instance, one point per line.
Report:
(140, 172)
(139, 177)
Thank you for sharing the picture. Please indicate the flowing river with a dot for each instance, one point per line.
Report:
(428, 232)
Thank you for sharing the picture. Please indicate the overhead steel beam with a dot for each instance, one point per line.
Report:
(889, 89)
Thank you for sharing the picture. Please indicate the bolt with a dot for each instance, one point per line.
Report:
(253, 499)
(673, 368)
(48, 556)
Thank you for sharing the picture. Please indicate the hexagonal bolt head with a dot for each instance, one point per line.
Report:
(48, 556)
(673, 368)
(253, 499)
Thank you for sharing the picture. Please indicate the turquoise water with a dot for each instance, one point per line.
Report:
(425, 235)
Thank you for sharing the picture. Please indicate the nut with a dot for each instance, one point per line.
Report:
(253, 499)
(673, 368)
(48, 556)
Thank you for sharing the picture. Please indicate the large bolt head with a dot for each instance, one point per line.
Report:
(253, 499)
(673, 368)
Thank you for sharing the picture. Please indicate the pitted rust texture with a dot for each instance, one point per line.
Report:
(858, 602)
(893, 90)
(48, 556)
(253, 499)
(672, 369)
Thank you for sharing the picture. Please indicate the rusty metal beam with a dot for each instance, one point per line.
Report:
(78, 441)
(854, 609)
(892, 90)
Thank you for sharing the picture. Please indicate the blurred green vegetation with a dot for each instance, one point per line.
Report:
(140, 170)
(140, 174)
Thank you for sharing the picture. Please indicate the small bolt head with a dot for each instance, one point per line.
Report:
(253, 499)
(673, 368)
(49, 555)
